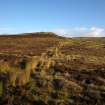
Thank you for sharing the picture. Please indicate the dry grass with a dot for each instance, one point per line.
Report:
(51, 70)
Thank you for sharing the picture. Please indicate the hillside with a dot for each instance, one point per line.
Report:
(47, 69)
(27, 44)
(36, 43)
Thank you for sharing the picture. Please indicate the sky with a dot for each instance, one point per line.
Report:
(64, 17)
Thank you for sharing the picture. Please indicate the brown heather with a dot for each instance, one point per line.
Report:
(45, 69)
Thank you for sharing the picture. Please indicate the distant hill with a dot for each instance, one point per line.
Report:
(28, 43)
(34, 34)
(36, 43)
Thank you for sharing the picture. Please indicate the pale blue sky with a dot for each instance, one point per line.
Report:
(63, 16)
